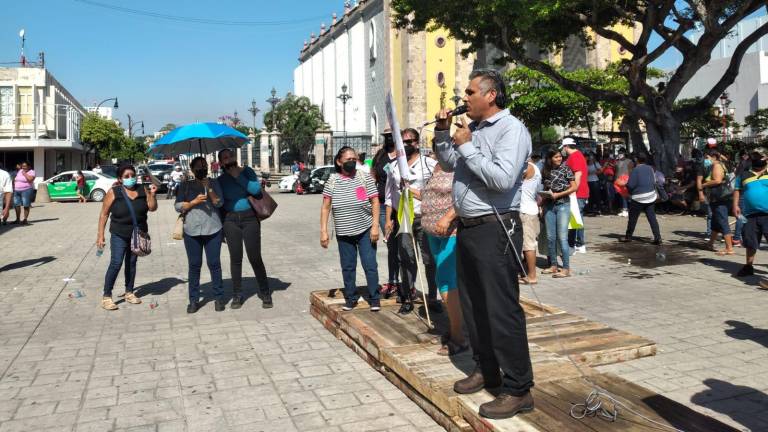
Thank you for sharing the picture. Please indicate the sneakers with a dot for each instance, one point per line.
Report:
(237, 301)
(349, 306)
(388, 289)
(736, 243)
(581, 249)
(745, 271)
(406, 308)
(375, 308)
(192, 308)
(624, 213)
(266, 302)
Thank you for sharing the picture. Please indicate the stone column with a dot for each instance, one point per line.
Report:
(264, 149)
(322, 142)
(249, 151)
(274, 138)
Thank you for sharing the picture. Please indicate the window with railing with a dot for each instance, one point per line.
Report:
(21, 118)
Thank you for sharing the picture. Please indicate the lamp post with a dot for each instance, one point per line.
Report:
(344, 96)
(254, 110)
(274, 100)
(724, 103)
(131, 124)
(107, 100)
(456, 97)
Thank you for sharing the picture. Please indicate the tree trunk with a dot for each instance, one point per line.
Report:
(664, 137)
(630, 125)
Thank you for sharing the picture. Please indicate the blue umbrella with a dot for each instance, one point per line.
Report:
(199, 138)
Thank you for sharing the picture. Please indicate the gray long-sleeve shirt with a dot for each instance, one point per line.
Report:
(488, 171)
(203, 219)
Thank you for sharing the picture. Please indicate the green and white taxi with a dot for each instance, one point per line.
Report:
(63, 186)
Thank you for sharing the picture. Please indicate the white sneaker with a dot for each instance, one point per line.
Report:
(581, 249)
(624, 213)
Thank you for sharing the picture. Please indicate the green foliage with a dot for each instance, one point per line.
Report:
(757, 121)
(705, 124)
(540, 102)
(168, 127)
(131, 149)
(101, 135)
(297, 119)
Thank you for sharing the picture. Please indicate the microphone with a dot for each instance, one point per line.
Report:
(454, 112)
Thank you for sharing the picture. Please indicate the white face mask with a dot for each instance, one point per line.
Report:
(621, 155)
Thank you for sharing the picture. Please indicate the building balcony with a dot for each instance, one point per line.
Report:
(54, 125)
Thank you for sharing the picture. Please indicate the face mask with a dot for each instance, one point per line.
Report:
(621, 156)
(201, 173)
(409, 150)
(129, 182)
(230, 165)
(707, 163)
(389, 144)
(349, 166)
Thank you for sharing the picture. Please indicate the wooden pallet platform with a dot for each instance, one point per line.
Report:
(405, 351)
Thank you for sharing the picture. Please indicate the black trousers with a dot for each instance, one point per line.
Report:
(239, 228)
(487, 274)
(635, 208)
(408, 265)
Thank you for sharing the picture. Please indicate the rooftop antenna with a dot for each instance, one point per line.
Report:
(23, 59)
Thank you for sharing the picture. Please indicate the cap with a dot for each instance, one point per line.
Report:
(567, 142)
(711, 142)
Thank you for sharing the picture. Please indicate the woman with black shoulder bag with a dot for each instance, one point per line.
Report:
(242, 226)
(199, 201)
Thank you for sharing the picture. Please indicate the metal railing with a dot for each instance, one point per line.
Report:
(40, 121)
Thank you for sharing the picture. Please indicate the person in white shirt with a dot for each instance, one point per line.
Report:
(420, 171)
(6, 193)
(529, 215)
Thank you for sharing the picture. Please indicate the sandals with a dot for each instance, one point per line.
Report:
(725, 252)
(452, 349)
(108, 304)
(526, 281)
(561, 275)
(130, 297)
(549, 271)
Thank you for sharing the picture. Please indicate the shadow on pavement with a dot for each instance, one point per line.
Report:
(725, 398)
(745, 331)
(158, 287)
(250, 290)
(36, 262)
(696, 234)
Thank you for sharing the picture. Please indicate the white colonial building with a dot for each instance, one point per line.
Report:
(39, 122)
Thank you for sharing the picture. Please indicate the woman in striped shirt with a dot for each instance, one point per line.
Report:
(351, 195)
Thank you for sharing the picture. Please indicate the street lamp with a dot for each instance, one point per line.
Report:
(724, 102)
(131, 124)
(274, 100)
(344, 96)
(456, 97)
(107, 100)
(254, 110)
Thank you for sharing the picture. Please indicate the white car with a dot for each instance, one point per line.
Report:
(288, 183)
(63, 186)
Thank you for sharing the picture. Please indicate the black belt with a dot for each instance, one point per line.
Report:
(479, 220)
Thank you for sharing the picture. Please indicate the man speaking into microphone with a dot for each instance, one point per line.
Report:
(488, 158)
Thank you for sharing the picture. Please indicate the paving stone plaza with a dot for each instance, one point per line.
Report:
(68, 365)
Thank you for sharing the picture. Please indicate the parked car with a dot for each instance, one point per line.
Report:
(162, 171)
(62, 187)
(146, 176)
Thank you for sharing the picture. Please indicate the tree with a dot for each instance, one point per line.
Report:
(709, 123)
(131, 149)
(757, 121)
(168, 127)
(102, 136)
(297, 119)
(511, 25)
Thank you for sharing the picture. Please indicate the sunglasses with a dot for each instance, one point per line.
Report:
(410, 141)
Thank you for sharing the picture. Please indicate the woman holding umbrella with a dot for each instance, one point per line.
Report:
(241, 225)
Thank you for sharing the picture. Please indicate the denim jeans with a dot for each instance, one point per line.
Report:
(576, 237)
(393, 258)
(556, 218)
(349, 247)
(119, 251)
(212, 246)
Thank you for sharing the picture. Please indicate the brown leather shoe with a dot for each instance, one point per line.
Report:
(506, 406)
(474, 383)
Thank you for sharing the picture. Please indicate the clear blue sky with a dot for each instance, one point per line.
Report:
(161, 70)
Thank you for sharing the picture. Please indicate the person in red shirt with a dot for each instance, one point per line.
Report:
(578, 164)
